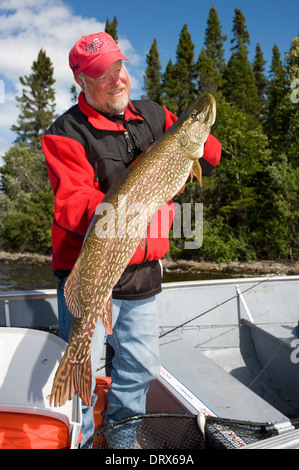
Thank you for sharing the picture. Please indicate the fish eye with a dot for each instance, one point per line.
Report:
(194, 116)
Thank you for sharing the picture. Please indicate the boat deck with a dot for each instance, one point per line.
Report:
(220, 392)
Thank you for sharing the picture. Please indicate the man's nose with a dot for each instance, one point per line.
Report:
(115, 78)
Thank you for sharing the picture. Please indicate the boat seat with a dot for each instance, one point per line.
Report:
(29, 359)
(218, 391)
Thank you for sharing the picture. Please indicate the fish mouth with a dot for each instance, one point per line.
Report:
(207, 108)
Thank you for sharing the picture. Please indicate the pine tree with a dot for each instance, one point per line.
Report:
(214, 40)
(209, 77)
(153, 76)
(260, 79)
(37, 103)
(277, 118)
(170, 88)
(111, 28)
(241, 35)
(239, 82)
(211, 62)
(185, 69)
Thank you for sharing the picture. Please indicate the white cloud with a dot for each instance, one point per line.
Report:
(26, 26)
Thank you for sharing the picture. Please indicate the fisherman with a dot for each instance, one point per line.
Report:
(86, 150)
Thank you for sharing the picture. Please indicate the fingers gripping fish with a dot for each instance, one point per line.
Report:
(153, 179)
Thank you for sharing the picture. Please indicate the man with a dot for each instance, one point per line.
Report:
(86, 150)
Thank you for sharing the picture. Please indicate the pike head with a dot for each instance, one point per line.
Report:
(194, 125)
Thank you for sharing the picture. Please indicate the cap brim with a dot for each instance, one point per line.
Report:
(99, 66)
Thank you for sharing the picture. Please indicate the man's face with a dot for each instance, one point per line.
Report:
(108, 93)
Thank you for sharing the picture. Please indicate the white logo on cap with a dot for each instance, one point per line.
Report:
(95, 46)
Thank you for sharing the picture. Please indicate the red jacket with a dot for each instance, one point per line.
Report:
(76, 192)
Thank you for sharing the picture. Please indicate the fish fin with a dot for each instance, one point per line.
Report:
(197, 171)
(72, 377)
(72, 291)
(106, 316)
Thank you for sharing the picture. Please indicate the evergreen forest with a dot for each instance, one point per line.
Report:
(250, 201)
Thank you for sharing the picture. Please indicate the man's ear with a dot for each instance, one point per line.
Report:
(80, 82)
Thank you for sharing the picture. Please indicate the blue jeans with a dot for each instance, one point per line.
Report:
(135, 363)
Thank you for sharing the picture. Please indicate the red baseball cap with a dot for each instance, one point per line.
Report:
(93, 54)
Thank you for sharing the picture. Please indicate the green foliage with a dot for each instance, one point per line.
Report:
(221, 244)
(26, 205)
(26, 226)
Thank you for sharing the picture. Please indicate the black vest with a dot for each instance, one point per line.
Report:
(110, 152)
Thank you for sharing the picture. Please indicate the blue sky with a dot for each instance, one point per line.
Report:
(268, 22)
(26, 26)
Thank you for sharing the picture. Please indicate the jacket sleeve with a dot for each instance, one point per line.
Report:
(170, 119)
(72, 180)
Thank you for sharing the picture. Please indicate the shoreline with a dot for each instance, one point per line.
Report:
(255, 268)
(180, 265)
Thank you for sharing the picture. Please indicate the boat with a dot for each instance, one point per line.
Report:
(229, 365)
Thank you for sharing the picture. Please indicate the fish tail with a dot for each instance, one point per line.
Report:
(72, 377)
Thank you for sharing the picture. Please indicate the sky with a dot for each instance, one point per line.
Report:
(26, 26)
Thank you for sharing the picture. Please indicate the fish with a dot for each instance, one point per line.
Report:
(115, 233)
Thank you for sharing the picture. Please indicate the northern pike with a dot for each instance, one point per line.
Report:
(152, 180)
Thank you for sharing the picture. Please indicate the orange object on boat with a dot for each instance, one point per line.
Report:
(32, 431)
(101, 389)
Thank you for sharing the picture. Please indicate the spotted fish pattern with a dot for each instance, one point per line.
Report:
(151, 181)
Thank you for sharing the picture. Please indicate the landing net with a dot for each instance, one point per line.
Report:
(178, 431)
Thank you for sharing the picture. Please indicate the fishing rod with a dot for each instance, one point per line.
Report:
(226, 300)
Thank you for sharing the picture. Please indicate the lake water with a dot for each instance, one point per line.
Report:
(15, 276)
